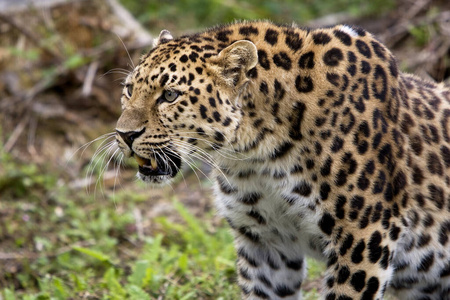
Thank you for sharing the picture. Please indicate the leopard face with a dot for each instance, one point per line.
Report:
(320, 146)
(171, 107)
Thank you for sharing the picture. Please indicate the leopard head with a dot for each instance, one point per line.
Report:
(181, 101)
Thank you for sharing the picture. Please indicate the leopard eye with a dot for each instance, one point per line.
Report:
(129, 90)
(170, 96)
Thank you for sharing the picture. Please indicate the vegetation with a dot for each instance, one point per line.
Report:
(192, 14)
(77, 245)
(74, 245)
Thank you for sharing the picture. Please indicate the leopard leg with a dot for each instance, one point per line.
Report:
(363, 275)
(265, 272)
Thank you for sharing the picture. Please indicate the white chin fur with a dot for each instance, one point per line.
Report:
(154, 181)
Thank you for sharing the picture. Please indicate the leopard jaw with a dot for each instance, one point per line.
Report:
(145, 162)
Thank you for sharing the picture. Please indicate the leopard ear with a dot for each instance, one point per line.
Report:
(164, 37)
(235, 61)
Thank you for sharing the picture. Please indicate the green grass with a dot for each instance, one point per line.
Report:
(57, 243)
(181, 262)
(70, 244)
(67, 244)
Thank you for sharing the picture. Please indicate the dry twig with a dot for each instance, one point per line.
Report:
(89, 79)
(16, 134)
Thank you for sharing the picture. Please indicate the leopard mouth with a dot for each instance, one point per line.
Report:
(163, 166)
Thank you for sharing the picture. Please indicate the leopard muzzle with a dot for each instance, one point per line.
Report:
(161, 166)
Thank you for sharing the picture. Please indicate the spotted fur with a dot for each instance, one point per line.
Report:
(321, 147)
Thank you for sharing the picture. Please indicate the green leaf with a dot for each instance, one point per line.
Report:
(93, 253)
(136, 293)
(74, 61)
(43, 296)
(183, 262)
(31, 54)
(116, 290)
(139, 272)
(8, 294)
(188, 296)
(192, 222)
(59, 288)
(79, 283)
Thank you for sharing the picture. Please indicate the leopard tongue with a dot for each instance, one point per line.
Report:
(145, 162)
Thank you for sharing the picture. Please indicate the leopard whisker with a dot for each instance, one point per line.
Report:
(117, 165)
(123, 72)
(219, 151)
(98, 153)
(186, 148)
(169, 159)
(192, 150)
(128, 53)
(190, 162)
(106, 137)
(118, 71)
(225, 152)
(204, 152)
(102, 147)
(99, 158)
(105, 167)
(112, 157)
(166, 165)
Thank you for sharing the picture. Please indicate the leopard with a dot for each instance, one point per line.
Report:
(319, 146)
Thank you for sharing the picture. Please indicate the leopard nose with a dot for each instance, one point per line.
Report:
(130, 136)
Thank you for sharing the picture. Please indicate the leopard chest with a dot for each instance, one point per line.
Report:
(267, 209)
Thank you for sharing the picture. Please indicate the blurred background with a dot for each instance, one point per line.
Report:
(74, 224)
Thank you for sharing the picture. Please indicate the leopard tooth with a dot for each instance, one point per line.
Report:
(139, 160)
(153, 163)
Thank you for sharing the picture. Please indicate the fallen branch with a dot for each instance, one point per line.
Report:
(16, 134)
(129, 26)
(89, 79)
(402, 28)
